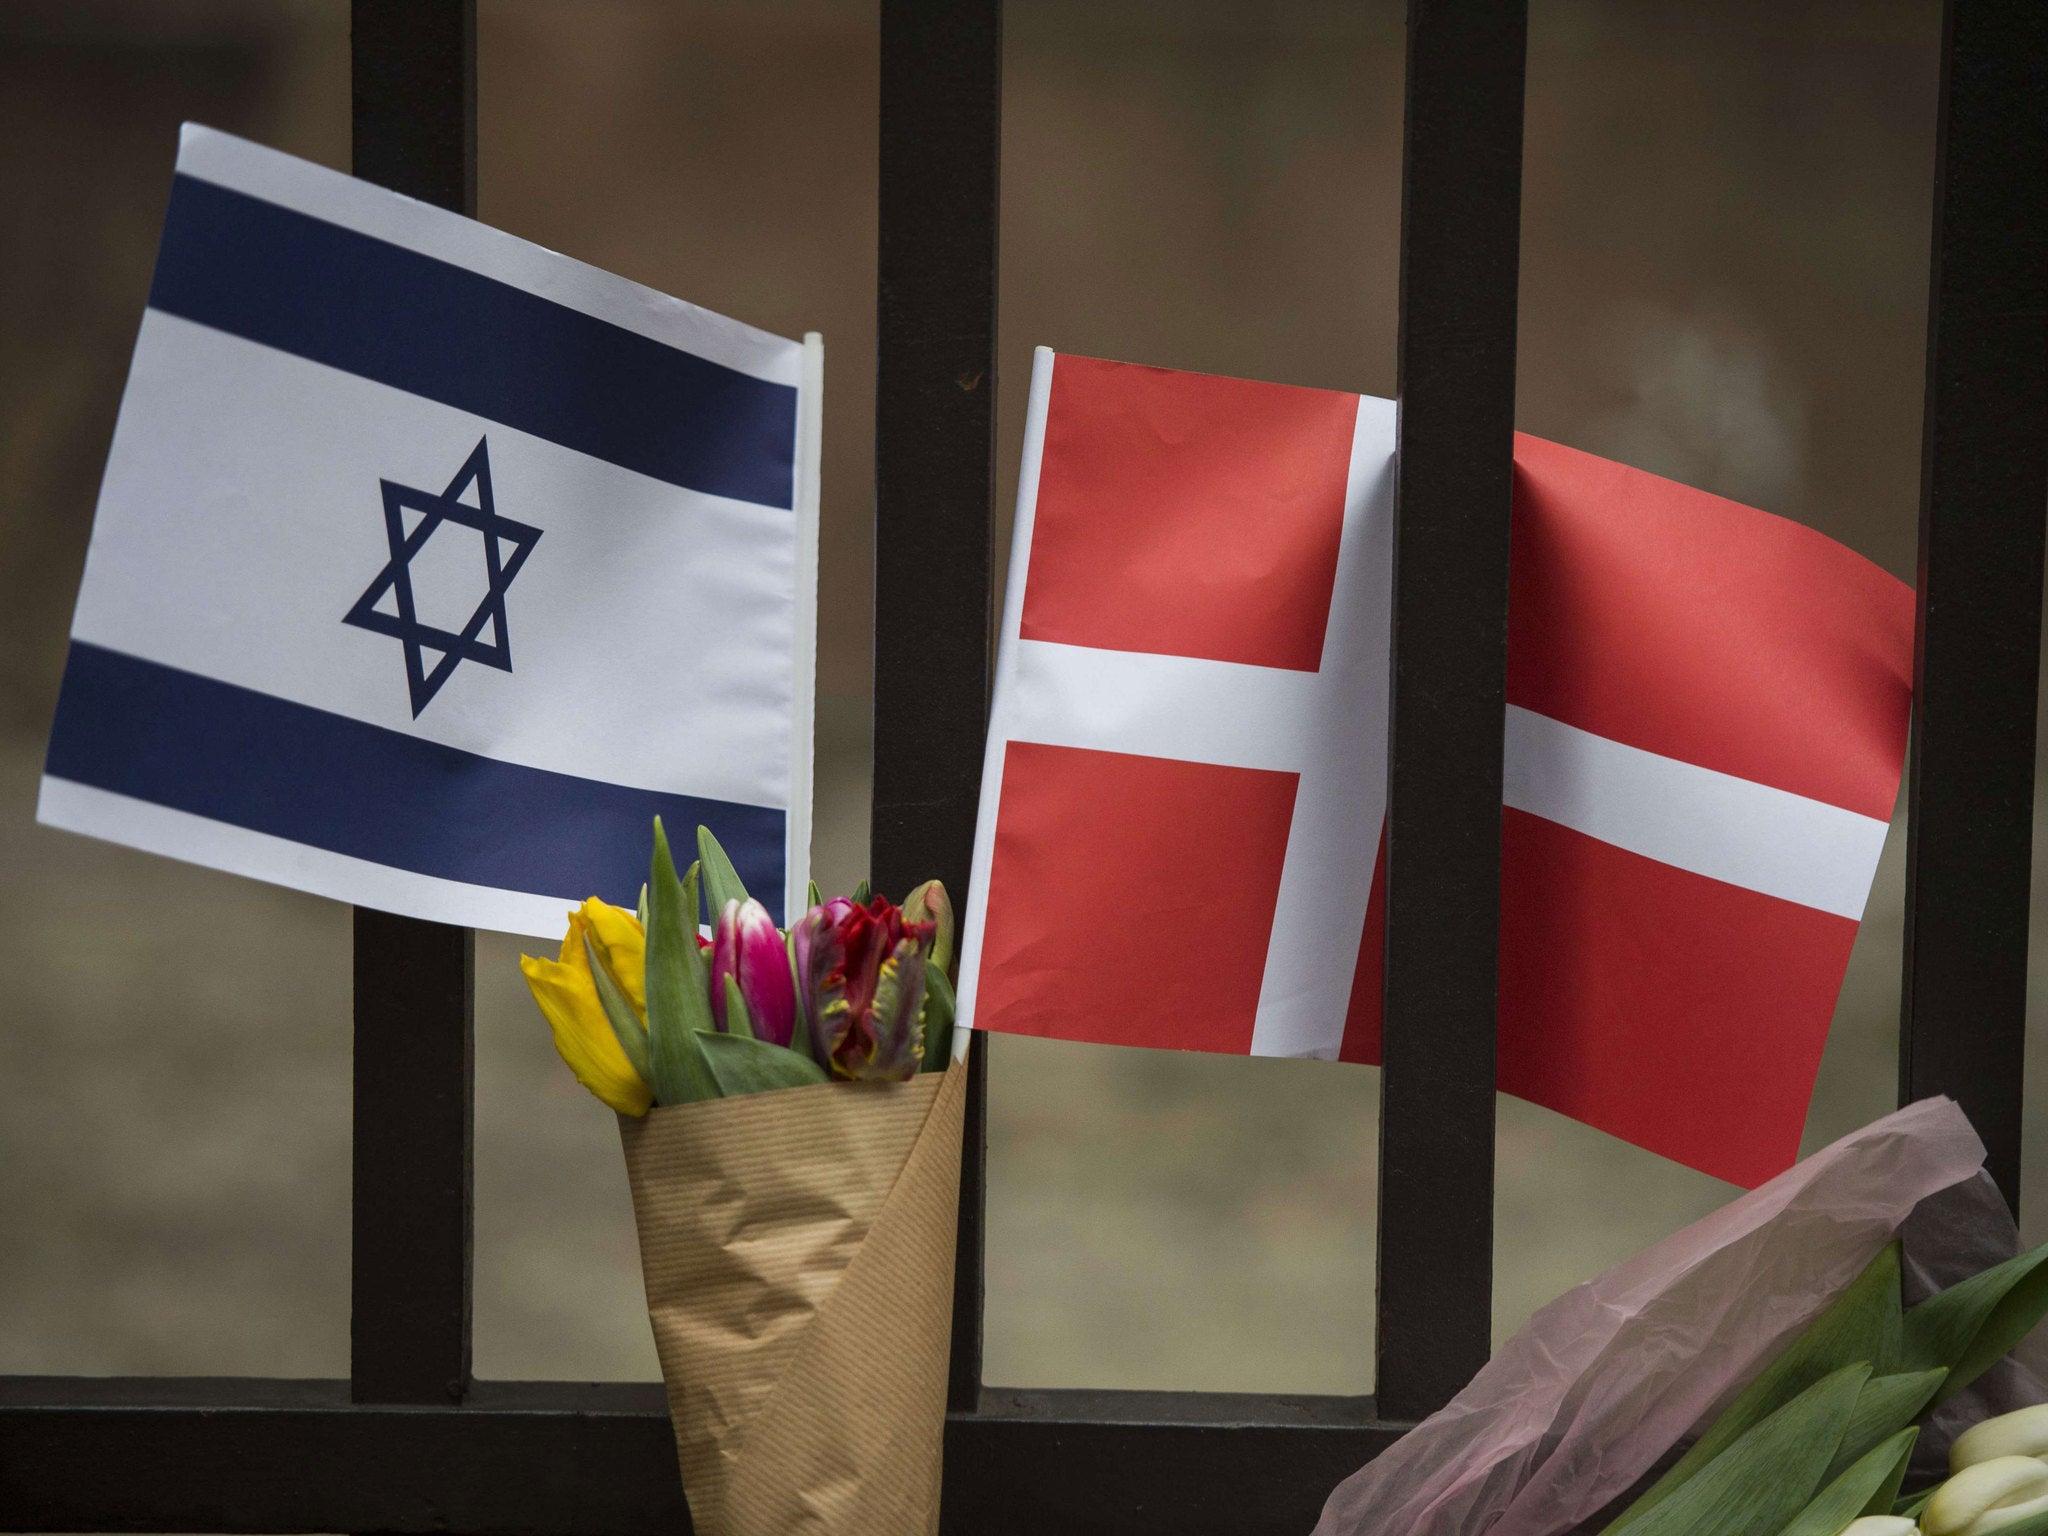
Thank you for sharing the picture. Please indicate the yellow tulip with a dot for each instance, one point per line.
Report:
(622, 943)
(567, 995)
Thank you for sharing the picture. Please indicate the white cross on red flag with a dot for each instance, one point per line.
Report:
(1706, 724)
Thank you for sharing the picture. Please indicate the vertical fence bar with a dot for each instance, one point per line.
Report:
(1983, 494)
(935, 386)
(1460, 238)
(414, 97)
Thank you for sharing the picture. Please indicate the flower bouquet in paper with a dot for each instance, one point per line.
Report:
(1845, 1348)
(791, 1118)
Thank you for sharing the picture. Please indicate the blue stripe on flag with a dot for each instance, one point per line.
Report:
(252, 760)
(360, 304)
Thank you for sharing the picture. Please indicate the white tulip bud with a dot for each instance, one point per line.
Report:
(1881, 1525)
(1982, 1498)
(2024, 1433)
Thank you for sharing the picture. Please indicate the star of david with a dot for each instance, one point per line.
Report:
(506, 546)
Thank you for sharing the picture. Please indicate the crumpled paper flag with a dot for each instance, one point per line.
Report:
(1573, 1410)
(797, 1248)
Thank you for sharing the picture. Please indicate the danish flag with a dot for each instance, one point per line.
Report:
(1185, 791)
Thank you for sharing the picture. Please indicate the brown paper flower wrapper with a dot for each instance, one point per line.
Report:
(797, 1248)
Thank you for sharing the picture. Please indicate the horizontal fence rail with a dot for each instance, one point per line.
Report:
(557, 1459)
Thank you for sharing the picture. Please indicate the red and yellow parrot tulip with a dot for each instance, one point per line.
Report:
(861, 972)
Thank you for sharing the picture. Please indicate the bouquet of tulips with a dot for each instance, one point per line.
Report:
(1819, 1443)
(791, 1118)
(1775, 1334)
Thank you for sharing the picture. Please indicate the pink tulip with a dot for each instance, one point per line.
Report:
(746, 947)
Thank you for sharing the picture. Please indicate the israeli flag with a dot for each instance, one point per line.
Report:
(430, 566)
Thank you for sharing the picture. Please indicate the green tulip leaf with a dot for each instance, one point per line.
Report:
(1761, 1481)
(618, 1013)
(939, 1006)
(722, 882)
(1861, 1324)
(817, 897)
(743, 1065)
(1866, 1486)
(1911, 1506)
(738, 1020)
(863, 894)
(1970, 1326)
(641, 910)
(678, 990)
(1886, 1405)
(1887, 1492)
(929, 903)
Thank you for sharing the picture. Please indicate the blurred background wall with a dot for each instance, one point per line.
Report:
(1725, 246)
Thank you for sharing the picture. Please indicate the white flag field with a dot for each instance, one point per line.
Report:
(430, 566)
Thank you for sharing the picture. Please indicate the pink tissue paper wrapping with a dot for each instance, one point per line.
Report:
(1579, 1404)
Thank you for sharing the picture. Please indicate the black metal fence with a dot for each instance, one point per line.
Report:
(411, 1443)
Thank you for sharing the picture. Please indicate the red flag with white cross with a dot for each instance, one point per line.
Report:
(1706, 726)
